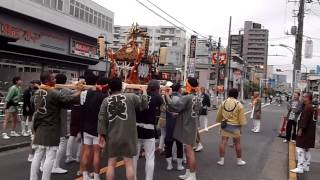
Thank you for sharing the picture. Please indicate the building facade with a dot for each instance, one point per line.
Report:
(255, 47)
(237, 44)
(55, 35)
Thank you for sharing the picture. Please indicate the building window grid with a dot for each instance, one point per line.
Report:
(88, 15)
(53, 4)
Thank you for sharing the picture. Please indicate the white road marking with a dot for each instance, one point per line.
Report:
(217, 124)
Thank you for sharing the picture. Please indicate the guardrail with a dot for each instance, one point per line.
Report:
(2, 110)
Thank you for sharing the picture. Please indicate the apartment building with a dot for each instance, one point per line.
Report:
(255, 46)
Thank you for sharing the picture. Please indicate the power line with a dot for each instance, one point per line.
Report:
(279, 38)
(191, 30)
(176, 19)
(160, 16)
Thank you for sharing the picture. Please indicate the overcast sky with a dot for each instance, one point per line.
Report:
(211, 17)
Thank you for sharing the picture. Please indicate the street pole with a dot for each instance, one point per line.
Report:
(229, 59)
(298, 44)
(186, 62)
(209, 60)
(242, 83)
(218, 65)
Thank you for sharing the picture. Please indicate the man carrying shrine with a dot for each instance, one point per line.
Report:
(117, 126)
(185, 131)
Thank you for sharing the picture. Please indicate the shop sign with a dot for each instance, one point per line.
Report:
(18, 33)
(83, 49)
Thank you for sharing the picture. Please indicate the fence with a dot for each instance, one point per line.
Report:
(2, 110)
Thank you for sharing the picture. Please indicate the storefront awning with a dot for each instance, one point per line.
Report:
(5, 39)
(46, 57)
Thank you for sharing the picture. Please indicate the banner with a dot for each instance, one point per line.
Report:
(222, 58)
(193, 46)
(192, 67)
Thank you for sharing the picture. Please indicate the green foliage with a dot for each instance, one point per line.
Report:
(249, 88)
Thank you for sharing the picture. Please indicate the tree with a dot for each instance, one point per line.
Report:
(249, 88)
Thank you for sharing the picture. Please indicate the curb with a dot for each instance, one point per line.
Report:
(14, 146)
(292, 160)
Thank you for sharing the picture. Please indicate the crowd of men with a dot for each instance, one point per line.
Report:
(125, 121)
(107, 115)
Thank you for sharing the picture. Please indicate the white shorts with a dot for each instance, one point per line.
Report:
(89, 139)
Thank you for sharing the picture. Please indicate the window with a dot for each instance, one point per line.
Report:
(95, 18)
(72, 10)
(99, 20)
(26, 69)
(39, 1)
(71, 1)
(90, 18)
(33, 70)
(82, 13)
(60, 5)
(77, 12)
(103, 24)
(53, 4)
(47, 3)
(20, 69)
(86, 17)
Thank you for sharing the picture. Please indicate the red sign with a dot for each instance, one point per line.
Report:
(18, 33)
(222, 58)
(83, 49)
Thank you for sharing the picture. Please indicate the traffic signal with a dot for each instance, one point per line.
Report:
(101, 47)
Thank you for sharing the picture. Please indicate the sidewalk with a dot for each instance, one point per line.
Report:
(314, 173)
(14, 142)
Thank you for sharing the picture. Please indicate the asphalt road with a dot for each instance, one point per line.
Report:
(256, 151)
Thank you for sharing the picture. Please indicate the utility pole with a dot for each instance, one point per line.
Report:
(218, 65)
(209, 59)
(186, 59)
(298, 44)
(228, 70)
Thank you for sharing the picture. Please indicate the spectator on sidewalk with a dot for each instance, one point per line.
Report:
(295, 109)
(256, 112)
(48, 102)
(27, 108)
(306, 135)
(204, 109)
(11, 105)
(232, 118)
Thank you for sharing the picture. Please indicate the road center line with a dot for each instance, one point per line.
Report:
(121, 163)
(217, 124)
